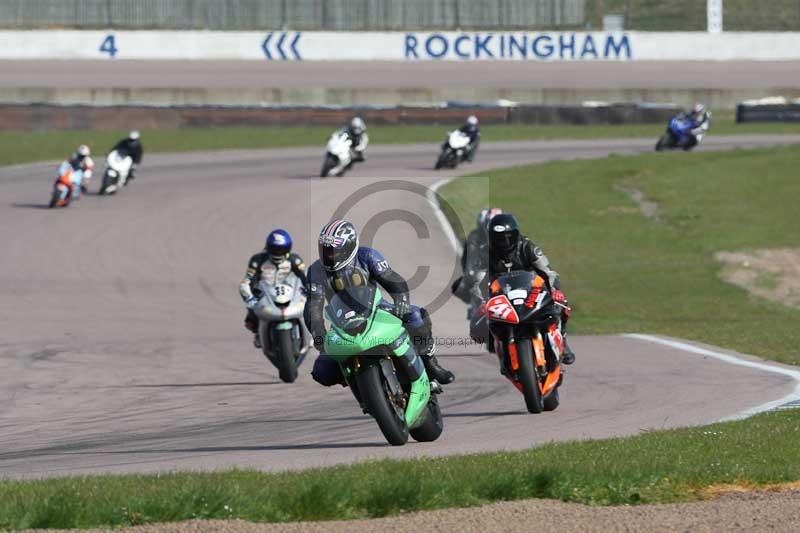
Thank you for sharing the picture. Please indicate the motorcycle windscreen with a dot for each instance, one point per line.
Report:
(351, 308)
(517, 279)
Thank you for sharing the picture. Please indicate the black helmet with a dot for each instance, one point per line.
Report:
(338, 245)
(503, 233)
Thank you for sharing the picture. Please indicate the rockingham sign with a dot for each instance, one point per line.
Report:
(399, 46)
(514, 46)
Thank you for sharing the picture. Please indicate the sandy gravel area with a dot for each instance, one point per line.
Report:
(743, 511)
(772, 274)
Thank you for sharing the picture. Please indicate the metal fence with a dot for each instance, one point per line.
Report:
(690, 15)
(354, 15)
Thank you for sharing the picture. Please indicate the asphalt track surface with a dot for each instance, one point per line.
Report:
(678, 75)
(121, 339)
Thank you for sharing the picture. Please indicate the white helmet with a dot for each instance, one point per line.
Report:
(472, 120)
(698, 109)
(133, 135)
(357, 126)
(83, 150)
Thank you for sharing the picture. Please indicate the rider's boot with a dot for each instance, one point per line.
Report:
(427, 352)
(257, 341)
(568, 357)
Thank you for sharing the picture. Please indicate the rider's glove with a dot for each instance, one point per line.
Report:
(251, 302)
(402, 308)
(559, 297)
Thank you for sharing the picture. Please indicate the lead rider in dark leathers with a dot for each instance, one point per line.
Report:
(344, 264)
(509, 250)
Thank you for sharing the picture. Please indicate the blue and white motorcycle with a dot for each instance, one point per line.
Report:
(681, 134)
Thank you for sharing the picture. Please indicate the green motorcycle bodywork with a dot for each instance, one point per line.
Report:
(382, 329)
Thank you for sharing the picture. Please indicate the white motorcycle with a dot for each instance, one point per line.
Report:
(338, 155)
(285, 341)
(115, 177)
(454, 150)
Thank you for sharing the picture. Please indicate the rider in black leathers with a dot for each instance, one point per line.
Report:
(131, 146)
(471, 130)
(475, 256)
(508, 250)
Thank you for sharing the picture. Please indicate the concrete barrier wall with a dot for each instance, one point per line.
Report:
(398, 46)
(49, 117)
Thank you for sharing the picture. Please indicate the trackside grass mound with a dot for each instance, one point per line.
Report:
(660, 466)
(634, 239)
(25, 147)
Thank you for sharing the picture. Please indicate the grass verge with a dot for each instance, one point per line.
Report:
(659, 466)
(27, 147)
(628, 273)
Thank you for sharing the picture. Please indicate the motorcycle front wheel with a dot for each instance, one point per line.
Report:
(287, 368)
(390, 417)
(527, 376)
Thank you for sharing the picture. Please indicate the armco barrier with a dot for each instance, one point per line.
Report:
(768, 113)
(49, 117)
(521, 46)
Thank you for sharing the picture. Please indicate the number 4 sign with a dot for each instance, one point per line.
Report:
(108, 46)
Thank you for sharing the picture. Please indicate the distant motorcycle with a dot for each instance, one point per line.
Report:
(285, 341)
(338, 155)
(117, 171)
(67, 186)
(526, 326)
(454, 150)
(679, 135)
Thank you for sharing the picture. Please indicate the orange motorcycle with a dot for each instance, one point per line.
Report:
(63, 191)
(525, 322)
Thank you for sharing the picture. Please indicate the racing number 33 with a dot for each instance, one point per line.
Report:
(109, 46)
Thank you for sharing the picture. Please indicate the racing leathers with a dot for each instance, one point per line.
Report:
(527, 256)
(78, 181)
(700, 125)
(473, 132)
(133, 148)
(368, 267)
(474, 262)
(359, 144)
(264, 265)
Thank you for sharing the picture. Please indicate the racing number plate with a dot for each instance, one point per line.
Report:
(499, 308)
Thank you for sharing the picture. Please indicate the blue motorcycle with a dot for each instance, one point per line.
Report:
(681, 134)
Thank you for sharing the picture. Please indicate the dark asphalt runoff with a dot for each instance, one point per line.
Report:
(679, 75)
(121, 339)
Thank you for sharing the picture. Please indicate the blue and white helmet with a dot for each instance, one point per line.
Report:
(279, 243)
(338, 245)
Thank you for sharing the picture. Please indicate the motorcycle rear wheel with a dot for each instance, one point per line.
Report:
(432, 428)
(528, 378)
(375, 394)
(330, 162)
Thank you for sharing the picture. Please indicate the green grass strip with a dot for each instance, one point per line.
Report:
(627, 273)
(659, 466)
(25, 147)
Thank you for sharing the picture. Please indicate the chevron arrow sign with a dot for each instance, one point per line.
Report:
(281, 46)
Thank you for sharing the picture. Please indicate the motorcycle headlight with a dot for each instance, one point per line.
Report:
(112, 173)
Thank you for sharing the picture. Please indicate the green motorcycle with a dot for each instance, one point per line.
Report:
(381, 366)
